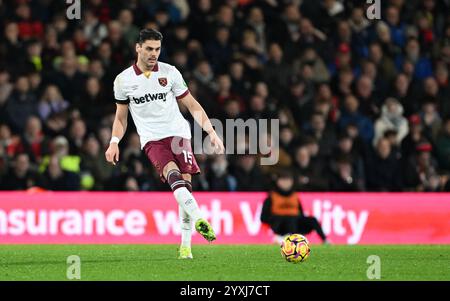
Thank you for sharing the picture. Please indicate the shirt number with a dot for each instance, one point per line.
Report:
(187, 157)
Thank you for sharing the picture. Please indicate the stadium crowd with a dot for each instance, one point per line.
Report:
(364, 105)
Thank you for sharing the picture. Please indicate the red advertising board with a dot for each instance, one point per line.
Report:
(146, 218)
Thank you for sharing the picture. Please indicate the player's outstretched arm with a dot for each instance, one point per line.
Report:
(202, 119)
(118, 131)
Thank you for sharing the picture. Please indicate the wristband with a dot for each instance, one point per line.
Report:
(114, 139)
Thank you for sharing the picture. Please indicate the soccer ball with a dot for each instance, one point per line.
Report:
(295, 248)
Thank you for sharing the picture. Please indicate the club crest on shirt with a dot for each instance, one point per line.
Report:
(162, 81)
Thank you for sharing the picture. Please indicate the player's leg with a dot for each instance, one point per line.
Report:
(186, 200)
(167, 164)
(316, 226)
(173, 176)
(186, 225)
(187, 163)
(309, 224)
(279, 228)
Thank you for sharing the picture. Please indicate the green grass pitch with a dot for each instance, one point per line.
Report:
(220, 262)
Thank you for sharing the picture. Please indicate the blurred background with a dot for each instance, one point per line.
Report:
(364, 105)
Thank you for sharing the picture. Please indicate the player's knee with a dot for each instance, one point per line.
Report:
(176, 181)
(169, 167)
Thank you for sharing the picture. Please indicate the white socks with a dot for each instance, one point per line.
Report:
(188, 211)
(188, 203)
(186, 227)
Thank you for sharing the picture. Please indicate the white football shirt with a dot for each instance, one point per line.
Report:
(152, 101)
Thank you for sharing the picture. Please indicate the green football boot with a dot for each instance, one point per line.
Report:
(185, 253)
(205, 229)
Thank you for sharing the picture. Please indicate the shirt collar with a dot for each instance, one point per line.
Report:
(139, 71)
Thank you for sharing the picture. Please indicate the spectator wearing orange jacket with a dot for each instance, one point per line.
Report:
(283, 210)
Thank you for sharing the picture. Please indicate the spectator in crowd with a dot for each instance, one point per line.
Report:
(421, 172)
(308, 174)
(135, 170)
(131, 184)
(384, 38)
(430, 88)
(379, 84)
(283, 210)
(51, 102)
(300, 100)
(219, 178)
(342, 176)
(130, 31)
(219, 50)
(20, 105)
(223, 93)
(403, 92)
(4, 161)
(391, 119)
(248, 174)
(133, 147)
(33, 141)
(431, 120)
(93, 97)
(58, 179)
(287, 140)
(8, 140)
(240, 83)
(278, 73)
(92, 163)
(416, 134)
(69, 79)
(383, 168)
(443, 145)
(93, 29)
(397, 27)
(5, 86)
(351, 114)
(11, 47)
(59, 147)
(368, 103)
(345, 149)
(258, 109)
(391, 136)
(29, 27)
(442, 78)
(120, 51)
(384, 63)
(21, 176)
(77, 133)
(324, 136)
(412, 54)
(327, 104)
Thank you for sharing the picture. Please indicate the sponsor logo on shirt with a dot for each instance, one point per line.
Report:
(150, 97)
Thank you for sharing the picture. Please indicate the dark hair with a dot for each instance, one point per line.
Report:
(343, 136)
(317, 113)
(149, 34)
(390, 132)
